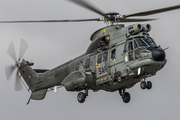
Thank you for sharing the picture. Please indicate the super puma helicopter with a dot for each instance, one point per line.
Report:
(117, 58)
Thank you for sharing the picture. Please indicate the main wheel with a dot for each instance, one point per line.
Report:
(126, 98)
(149, 85)
(143, 85)
(81, 97)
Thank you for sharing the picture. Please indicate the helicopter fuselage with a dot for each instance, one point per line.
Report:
(117, 58)
(118, 64)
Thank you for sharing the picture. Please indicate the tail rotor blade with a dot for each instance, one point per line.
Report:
(23, 48)
(18, 84)
(11, 51)
(9, 70)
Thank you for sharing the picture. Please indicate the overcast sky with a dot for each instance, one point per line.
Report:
(51, 44)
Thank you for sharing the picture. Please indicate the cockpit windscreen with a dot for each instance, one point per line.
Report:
(145, 41)
(140, 42)
(149, 41)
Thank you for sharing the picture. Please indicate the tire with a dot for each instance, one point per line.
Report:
(126, 97)
(149, 85)
(81, 97)
(143, 85)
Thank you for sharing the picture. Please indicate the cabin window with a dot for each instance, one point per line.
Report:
(87, 63)
(105, 56)
(113, 54)
(77, 66)
(99, 59)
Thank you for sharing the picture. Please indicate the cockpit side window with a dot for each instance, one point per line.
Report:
(126, 46)
(135, 45)
(140, 42)
(130, 46)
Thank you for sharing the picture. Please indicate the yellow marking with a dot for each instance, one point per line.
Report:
(98, 49)
(103, 31)
(104, 78)
(143, 69)
(134, 54)
(99, 65)
(113, 61)
(96, 65)
(134, 28)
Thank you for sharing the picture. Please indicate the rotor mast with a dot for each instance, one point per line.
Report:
(111, 18)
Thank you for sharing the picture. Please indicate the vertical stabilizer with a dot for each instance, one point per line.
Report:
(29, 75)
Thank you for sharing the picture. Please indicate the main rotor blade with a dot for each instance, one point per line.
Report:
(89, 6)
(151, 12)
(18, 84)
(135, 20)
(11, 51)
(23, 48)
(9, 70)
(39, 21)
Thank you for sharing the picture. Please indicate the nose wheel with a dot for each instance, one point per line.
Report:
(149, 85)
(145, 85)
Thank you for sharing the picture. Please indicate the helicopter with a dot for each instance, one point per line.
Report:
(118, 57)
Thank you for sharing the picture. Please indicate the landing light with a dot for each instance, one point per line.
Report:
(139, 71)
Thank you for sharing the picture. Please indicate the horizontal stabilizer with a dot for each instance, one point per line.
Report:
(38, 95)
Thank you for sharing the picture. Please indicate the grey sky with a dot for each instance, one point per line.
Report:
(51, 44)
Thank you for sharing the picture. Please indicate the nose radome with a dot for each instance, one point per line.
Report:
(158, 54)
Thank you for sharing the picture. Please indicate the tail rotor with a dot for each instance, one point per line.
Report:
(11, 68)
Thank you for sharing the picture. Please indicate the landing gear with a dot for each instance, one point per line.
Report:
(149, 85)
(145, 85)
(82, 96)
(125, 96)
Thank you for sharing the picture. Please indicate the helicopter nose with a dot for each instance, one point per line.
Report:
(158, 54)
